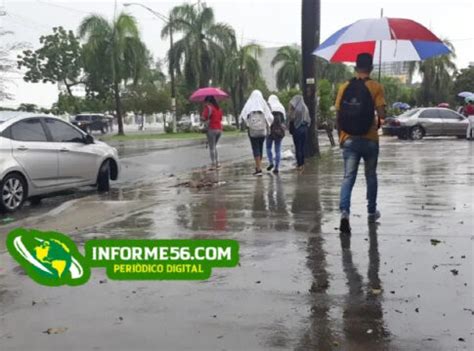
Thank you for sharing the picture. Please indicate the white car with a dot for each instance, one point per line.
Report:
(40, 155)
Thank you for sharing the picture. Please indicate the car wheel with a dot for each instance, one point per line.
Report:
(103, 179)
(13, 192)
(417, 133)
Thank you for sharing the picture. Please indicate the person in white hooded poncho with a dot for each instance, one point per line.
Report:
(258, 118)
(277, 133)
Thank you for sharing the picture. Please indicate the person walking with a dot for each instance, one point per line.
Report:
(277, 133)
(258, 118)
(469, 113)
(358, 126)
(299, 121)
(212, 117)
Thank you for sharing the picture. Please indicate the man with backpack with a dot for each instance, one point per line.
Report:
(357, 123)
(277, 133)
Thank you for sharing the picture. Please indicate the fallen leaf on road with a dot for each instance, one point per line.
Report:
(454, 271)
(55, 331)
(435, 242)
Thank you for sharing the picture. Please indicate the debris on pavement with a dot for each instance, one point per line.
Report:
(50, 331)
(454, 271)
(435, 242)
(8, 220)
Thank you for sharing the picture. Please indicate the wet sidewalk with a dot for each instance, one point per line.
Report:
(404, 284)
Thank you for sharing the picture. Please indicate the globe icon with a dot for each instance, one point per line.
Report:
(54, 255)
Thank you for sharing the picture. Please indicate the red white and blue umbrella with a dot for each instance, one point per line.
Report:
(399, 39)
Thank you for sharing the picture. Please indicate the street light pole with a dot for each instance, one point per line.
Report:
(170, 63)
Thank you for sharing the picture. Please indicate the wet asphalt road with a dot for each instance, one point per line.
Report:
(299, 286)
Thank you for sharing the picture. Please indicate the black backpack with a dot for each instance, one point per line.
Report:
(357, 110)
(277, 130)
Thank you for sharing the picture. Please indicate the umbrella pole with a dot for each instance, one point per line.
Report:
(380, 50)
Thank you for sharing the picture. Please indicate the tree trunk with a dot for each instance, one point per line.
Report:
(235, 107)
(310, 27)
(69, 91)
(118, 108)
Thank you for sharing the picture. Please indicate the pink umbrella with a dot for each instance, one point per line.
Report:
(444, 105)
(200, 94)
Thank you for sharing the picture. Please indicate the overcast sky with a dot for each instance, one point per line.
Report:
(270, 23)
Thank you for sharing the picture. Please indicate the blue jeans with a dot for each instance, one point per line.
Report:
(269, 143)
(299, 139)
(353, 150)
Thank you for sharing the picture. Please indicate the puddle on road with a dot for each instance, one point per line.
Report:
(299, 284)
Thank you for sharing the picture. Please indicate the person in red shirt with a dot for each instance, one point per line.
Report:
(469, 113)
(212, 116)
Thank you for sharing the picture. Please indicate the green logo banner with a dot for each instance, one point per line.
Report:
(52, 258)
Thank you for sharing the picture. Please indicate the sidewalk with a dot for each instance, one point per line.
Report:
(298, 286)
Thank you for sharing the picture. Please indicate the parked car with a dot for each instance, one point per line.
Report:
(430, 121)
(42, 155)
(91, 122)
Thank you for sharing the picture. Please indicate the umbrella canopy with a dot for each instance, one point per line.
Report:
(443, 104)
(465, 94)
(399, 39)
(201, 94)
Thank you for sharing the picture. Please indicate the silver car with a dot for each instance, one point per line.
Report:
(40, 155)
(430, 121)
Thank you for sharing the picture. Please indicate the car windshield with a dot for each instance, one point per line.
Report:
(409, 113)
(82, 118)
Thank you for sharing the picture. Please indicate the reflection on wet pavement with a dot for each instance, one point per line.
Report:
(299, 285)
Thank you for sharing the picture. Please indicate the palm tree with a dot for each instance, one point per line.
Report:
(437, 77)
(333, 72)
(200, 54)
(242, 72)
(289, 73)
(113, 54)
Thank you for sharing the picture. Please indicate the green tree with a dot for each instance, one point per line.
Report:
(464, 80)
(146, 99)
(325, 99)
(242, 72)
(58, 60)
(289, 74)
(335, 73)
(25, 107)
(113, 55)
(436, 73)
(7, 65)
(200, 54)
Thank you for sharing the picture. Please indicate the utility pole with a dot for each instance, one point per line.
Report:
(310, 31)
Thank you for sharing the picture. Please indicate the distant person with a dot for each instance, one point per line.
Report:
(469, 113)
(258, 118)
(299, 121)
(277, 133)
(212, 117)
(358, 126)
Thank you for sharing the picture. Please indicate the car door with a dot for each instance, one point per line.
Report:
(453, 123)
(431, 121)
(78, 162)
(36, 154)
